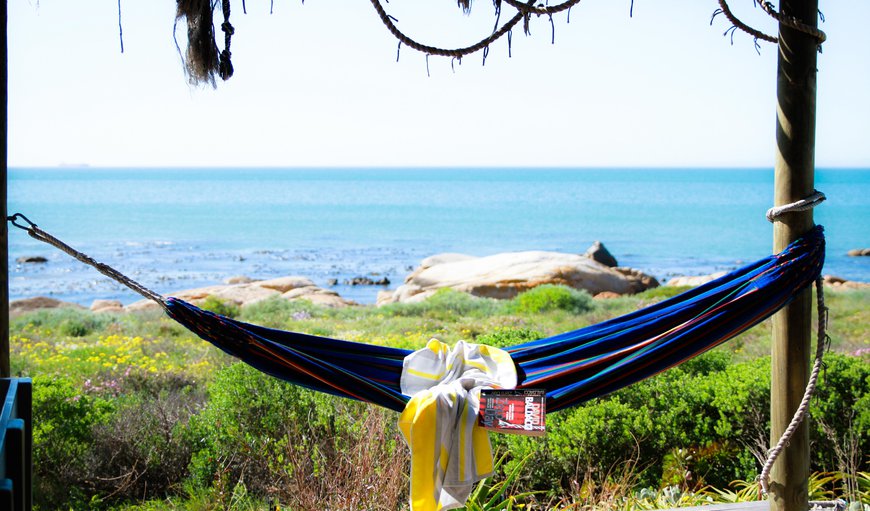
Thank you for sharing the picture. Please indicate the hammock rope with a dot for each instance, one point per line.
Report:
(823, 343)
(38, 234)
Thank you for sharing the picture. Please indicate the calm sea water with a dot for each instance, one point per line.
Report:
(174, 229)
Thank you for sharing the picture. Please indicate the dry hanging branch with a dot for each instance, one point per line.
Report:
(202, 60)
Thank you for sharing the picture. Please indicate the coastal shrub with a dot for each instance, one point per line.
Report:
(445, 303)
(64, 419)
(258, 438)
(705, 422)
(114, 438)
(66, 321)
(662, 292)
(695, 416)
(144, 447)
(840, 418)
(506, 337)
(277, 312)
(551, 297)
(306, 449)
(221, 307)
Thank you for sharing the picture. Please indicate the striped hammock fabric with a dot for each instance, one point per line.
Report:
(572, 367)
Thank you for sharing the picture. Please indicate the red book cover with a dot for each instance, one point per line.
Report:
(513, 411)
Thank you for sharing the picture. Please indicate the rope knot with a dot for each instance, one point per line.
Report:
(225, 67)
(808, 203)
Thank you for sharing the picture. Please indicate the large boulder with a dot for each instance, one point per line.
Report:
(835, 282)
(107, 306)
(505, 275)
(694, 281)
(598, 252)
(17, 307)
(247, 293)
(239, 279)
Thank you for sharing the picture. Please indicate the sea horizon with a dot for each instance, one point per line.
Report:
(181, 228)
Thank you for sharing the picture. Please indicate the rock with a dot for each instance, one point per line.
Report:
(646, 281)
(318, 296)
(284, 284)
(694, 281)
(107, 306)
(859, 252)
(505, 275)
(244, 294)
(447, 257)
(435, 260)
(332, 282)
(141, 305)
(31, 259)
(841, 283)
(239, 279)
(18, 307)
(384, 297)
(606, 295)
(597, 252)
(832, 280)
(366, 281)
(301, 292)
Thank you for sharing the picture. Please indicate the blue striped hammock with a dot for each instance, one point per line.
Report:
(572, 367)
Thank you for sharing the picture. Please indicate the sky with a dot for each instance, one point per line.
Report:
(318, 84)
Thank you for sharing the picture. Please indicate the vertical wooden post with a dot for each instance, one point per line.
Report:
(795, 162)
(4, 228)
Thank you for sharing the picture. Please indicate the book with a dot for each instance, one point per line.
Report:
(513, 411)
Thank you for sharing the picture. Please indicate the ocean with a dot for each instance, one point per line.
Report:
(180, 228)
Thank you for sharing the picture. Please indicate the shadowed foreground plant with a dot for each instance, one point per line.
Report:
(490, 495)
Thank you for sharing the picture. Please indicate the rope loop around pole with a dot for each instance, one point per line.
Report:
(781, 18)
(810, 202)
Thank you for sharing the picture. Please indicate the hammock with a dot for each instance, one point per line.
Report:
(572, 367)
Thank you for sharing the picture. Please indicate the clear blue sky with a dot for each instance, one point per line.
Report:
(318, 85)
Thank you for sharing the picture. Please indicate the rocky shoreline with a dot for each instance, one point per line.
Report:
(499, 276)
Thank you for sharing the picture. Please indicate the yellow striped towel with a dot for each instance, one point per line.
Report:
(449, 451)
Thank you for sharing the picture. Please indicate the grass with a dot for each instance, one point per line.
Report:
(102, 354)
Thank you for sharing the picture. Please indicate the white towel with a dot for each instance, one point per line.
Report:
(449, 451)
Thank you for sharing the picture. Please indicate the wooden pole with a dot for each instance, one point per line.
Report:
(794, 176)
(5, 371)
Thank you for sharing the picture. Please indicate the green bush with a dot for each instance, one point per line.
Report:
(145, 447)
(662, 292)
(708, 419)
(66, 321)
(221, 307)
(552, 297)
(64, 420)
(307, 449)
(445, 303)
(699, 412)
(507, 337)
(278, 312)
(840, 415)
